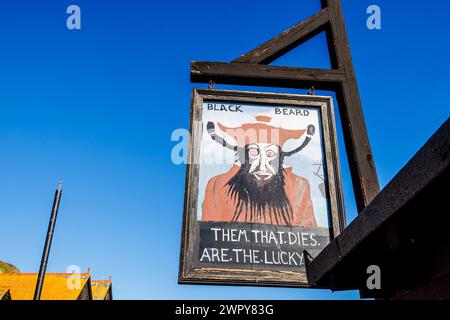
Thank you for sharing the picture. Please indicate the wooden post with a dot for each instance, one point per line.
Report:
(359, 153)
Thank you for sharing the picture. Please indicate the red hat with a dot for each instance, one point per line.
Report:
(261, 131)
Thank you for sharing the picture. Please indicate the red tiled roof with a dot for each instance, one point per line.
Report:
(100, 289)
(57, 286)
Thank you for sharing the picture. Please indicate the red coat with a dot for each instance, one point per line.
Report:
(217, 206)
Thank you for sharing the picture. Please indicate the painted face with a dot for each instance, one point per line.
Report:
(264, 161)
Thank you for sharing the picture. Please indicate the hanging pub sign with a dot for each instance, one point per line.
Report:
(263, 187)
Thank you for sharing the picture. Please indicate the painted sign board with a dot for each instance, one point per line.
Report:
(263, 187)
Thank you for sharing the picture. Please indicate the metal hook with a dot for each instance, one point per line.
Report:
(211, 85)
(312, 91)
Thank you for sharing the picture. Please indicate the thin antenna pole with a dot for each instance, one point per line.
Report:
(48, 242)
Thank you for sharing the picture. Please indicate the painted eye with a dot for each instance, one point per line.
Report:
(270, 153)
(253, 152)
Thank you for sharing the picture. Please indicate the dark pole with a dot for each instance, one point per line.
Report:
(48, 243)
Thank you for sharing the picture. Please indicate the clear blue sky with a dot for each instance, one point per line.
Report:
(97, 107)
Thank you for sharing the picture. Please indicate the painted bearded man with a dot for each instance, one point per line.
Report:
(258, 188)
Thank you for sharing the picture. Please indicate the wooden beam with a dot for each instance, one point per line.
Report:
(262, 75)
(359, 153)
(286, 41)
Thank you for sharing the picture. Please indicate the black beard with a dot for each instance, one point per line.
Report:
(258, 201)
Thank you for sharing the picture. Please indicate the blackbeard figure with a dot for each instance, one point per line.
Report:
(258, 188)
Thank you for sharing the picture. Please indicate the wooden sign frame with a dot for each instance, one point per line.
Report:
(191, 270)
(252, 69)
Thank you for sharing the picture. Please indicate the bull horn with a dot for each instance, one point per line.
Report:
(309, 134)
(211, 128)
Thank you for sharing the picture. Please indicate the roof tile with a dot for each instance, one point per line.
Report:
(57, 286)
